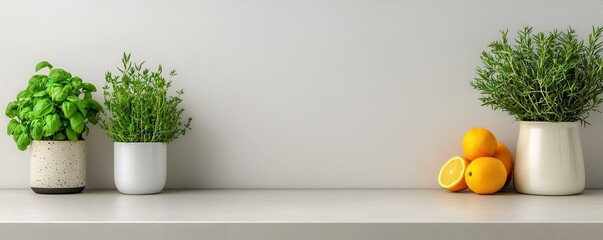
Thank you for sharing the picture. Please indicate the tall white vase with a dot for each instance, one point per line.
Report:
(140, 168)
(549, 159)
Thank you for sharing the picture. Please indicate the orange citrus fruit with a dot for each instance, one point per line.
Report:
(485, 175)
(504, 155)
(452, 174)
(479, 142)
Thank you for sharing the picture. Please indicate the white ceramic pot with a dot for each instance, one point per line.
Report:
(140, 168)
(549, 159)
(57, 166)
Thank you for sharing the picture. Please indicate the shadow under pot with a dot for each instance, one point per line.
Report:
(57, 167)
(140, 168)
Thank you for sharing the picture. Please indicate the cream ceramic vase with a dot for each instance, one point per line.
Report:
(140, 168)
(549, 159)
(57, 166)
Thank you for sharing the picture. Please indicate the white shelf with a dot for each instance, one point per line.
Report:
(329, 213)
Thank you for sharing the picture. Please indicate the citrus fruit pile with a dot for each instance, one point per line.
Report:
(486, 167)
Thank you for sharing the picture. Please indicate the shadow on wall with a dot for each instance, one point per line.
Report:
(189, 157)
(99, 169)
(592, 142)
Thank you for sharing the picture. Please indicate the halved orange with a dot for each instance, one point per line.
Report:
(452, 174)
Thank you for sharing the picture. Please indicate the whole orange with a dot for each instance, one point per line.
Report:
(485, 175)
(479, 142)
(504, 155)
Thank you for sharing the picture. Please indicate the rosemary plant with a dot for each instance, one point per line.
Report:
(550, 77)
(139, 106)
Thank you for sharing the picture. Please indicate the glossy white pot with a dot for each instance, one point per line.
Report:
(549, 159)
(57, 167)
(140, 168)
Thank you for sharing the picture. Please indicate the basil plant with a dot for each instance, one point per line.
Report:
(53, 107)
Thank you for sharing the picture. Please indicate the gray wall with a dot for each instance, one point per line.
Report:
(291, 94)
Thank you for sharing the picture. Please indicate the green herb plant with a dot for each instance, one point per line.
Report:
(52, 108)
(139, 106)
(550, 77)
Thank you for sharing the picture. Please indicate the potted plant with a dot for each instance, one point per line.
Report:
(142, 121)
(52, 114)
(550, 83)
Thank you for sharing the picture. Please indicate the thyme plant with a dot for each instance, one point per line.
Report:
(550, 77)
(139, 106)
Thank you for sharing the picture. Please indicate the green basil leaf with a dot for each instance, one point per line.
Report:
(59, 94)
(84, 111)
(76, 79)
(95, 105)
(51, 83)
(12, 125)
(23, 141)
(40, 94)
(19, 130)
(24, 113)
(73, 99)
(87, 95)
(86, 131)
(60, 136)
(36, 121)
(57, 81)
(24, 95)
(47, 131)
(12, 109)
(68, 108)
(43, 107)
(83, 107)
(63, 94)
(77, 122)
(37, 83)
(59, 75)
(77, 83)
(17, 133)
(43, 64)
(89, 87)
(70, 91)
(92, 117)
(53, 123)
(71, 134)
(37, 131)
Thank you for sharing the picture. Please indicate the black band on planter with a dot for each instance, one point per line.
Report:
(57, 190)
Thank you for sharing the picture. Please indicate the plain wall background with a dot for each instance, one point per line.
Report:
(290, 94)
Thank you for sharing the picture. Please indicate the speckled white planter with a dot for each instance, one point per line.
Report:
(140, 168)
(57, 166)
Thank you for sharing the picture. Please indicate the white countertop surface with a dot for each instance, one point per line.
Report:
(300, 206)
